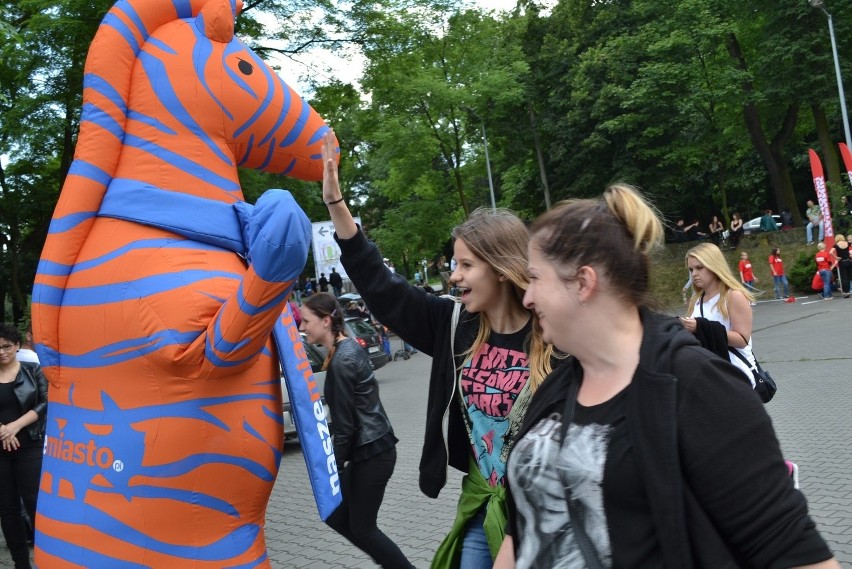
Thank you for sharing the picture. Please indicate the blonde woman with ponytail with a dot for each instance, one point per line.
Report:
(642, 449)
(488, 359)
(364, 443)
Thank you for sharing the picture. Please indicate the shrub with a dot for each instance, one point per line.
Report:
(801, 272)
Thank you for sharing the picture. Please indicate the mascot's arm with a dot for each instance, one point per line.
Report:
(277, 234)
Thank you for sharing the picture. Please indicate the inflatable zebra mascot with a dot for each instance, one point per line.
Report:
(159, 293)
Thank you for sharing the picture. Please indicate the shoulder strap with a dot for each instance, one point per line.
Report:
(737, 353)
(453, 323)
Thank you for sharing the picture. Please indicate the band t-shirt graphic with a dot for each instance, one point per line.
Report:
(491, 381)
(597, 469)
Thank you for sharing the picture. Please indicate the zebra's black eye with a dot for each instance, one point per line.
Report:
(246, 68)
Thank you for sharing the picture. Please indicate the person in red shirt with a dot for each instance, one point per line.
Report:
(825, 264)
(776, 265)
(747, 274)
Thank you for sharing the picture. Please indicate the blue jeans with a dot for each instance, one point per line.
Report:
(779, 281)
(825, 275)
(475, 552)
(809, 230)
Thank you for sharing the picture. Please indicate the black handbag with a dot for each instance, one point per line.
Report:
(764, 385)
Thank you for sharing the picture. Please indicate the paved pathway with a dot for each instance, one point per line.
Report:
(806, 346)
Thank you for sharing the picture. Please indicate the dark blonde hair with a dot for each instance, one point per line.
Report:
(324, 304)
(615, 233)
(500, 238)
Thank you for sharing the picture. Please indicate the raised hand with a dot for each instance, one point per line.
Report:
(330, 182)
(344, 224)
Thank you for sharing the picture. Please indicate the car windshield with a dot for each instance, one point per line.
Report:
(315, 357)
(361, 327)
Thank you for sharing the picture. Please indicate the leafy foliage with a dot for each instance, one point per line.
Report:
(801, 271)
(708, 105)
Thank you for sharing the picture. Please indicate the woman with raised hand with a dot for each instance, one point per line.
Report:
(364, 443)
(662, 456)
(488, 359)
(719, 297)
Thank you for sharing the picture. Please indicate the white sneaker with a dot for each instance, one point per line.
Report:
(753, 304)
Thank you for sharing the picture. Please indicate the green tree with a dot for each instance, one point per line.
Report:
(416, 153)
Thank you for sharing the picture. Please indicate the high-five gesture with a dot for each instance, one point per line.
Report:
(344, 224)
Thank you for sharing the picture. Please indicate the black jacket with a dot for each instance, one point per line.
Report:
(707, 454)
(422, 320)
(712, 335)
(31, 390)
(352, 394)
(334, 279)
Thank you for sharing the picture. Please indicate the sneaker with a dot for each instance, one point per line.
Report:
(846, 295)
(790, 299)
(753, 303)
(828, 298)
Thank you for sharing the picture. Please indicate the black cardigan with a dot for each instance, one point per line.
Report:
(709, 460)
(422, 320)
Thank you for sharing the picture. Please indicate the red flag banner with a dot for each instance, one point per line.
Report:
(847, 159)
(822, 196)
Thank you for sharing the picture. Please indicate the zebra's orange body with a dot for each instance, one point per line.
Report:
(164, 423)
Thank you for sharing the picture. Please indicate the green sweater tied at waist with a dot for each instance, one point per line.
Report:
(476, 493)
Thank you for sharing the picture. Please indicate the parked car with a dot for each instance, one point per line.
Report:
(366, 334)
(753, 225)
(316, 356)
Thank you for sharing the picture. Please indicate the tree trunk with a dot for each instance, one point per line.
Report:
(11, 242)
(542, 172)
(829, 149)
(772, 154)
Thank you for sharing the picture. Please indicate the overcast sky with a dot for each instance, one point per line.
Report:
(346, 70)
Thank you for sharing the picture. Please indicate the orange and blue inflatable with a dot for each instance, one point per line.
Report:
(159, 293)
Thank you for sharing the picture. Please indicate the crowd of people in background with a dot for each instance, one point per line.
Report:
(715, 231)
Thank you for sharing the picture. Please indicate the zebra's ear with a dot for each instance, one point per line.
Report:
(216, 19)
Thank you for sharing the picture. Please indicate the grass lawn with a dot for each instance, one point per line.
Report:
(668, 269)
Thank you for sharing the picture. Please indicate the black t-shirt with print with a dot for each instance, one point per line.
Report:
(598, 466)
(490, 382)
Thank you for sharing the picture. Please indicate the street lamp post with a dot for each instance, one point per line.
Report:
(820, 4)
(488, 166)
(487, 159)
